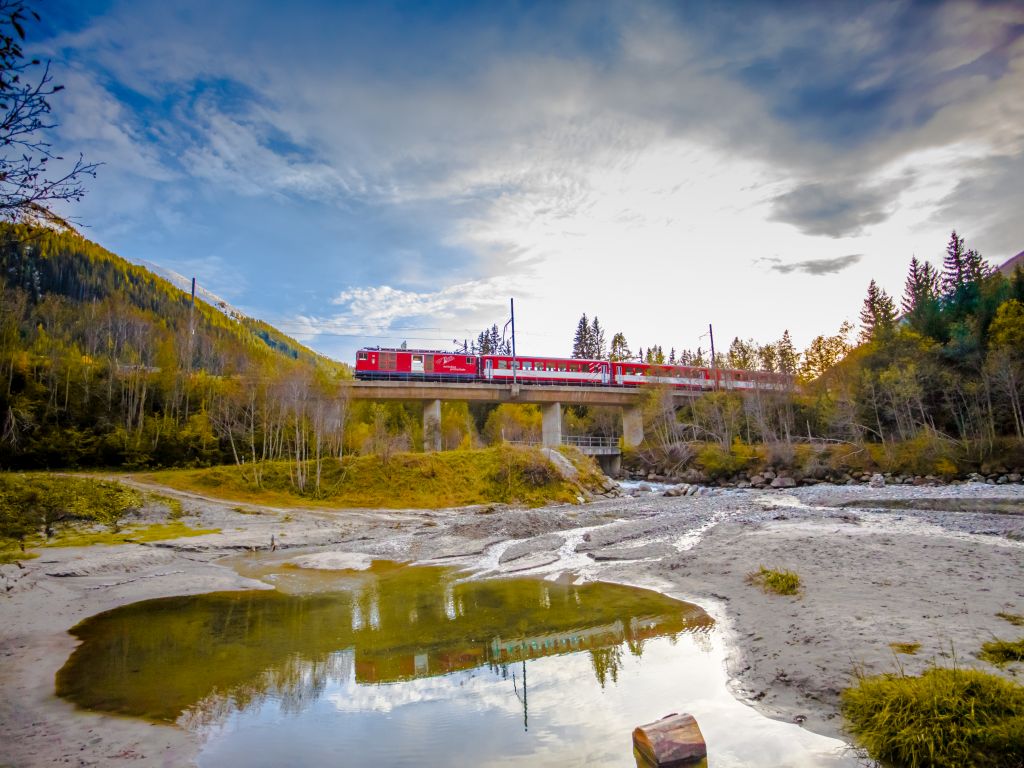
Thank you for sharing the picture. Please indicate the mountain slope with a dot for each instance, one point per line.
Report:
(103, 362)
(44, 263)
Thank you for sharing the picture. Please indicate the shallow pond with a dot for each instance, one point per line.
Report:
(415, 666)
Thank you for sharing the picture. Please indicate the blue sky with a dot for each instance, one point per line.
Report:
(373, 173)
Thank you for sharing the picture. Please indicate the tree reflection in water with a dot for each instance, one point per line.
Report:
(200, 658)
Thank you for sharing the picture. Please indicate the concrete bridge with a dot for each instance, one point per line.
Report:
(550, 398)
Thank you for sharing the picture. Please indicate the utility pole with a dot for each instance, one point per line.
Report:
(191, 342)
(515, 365)
(714, 371)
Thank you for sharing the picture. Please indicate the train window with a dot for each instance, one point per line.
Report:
(470, 360)
(361, 356)
(561, 366)
(516, 364)
(503, 364)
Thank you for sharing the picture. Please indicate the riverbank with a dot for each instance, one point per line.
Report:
(872, 577)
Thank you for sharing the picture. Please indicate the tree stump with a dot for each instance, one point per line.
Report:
(675, 740)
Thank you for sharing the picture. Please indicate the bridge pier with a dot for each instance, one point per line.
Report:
(551, 425)
(432, 425)
(632, 426)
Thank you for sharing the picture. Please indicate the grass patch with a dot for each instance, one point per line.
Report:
(779, 582)
(78, 537)
(1001, 652)
(945, 718)
(411, 480)
(1014, 618)
(908, 649)
(9, 555)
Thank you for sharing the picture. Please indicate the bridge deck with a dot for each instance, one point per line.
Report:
(501, 393)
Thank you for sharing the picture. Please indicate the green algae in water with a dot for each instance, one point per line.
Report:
(160, 659)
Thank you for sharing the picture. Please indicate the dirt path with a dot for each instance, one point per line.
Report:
(871, 578)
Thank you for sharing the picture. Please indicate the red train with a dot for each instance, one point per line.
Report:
(432, 365)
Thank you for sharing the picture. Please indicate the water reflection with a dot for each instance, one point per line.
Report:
(204, 657)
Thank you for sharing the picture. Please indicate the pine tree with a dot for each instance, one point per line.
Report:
(878, 315)
(976, 268)
(672, 356)
(953, 266)
(914, 289)
(597, 343)
(581, 340)
(620, 348)
(786, 355)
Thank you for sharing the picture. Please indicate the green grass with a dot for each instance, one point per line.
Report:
(72, 536)
(908, 649)
(1001, 652)
(1014, 618)
(10, 555)
(778, 582)
(944, 718)
(409, 480)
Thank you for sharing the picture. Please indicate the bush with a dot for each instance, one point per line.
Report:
(779, 582)
(945, 718)
(31, 504)
(718, 462)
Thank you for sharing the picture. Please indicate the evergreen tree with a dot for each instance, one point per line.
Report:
(1017, 283)
(672, 356)
(581, 340)
(786, 355)
(878, 315)
(953, 267)
(620, 348)
(742, 355)
(768, 358)
(596, 348)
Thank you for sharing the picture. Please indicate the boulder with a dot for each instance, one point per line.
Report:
(783, 482)
(1014, 477)
(675, 740)
(877, 481)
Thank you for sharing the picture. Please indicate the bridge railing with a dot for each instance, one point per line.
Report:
(591, 441)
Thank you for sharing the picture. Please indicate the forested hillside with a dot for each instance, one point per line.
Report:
(103, 362)
(933, 385)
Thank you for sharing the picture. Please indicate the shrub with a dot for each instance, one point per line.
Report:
(945, 718)
(1016, 619)
(718, 462)
(779, 582)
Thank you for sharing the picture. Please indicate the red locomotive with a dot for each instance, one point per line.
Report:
(433, 365)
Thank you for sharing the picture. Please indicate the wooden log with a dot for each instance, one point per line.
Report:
(671, 742)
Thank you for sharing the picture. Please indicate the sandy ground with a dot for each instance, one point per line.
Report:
(871, 577)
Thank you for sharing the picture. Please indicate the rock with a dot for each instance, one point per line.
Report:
(1003, 479)
(644, 488)
(1014, 477)
(877, 481)
(675, 740)
(768, 474)
(743, 484)
(757, 480)
(783, 482)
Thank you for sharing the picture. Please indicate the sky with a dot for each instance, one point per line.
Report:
(368, 174)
